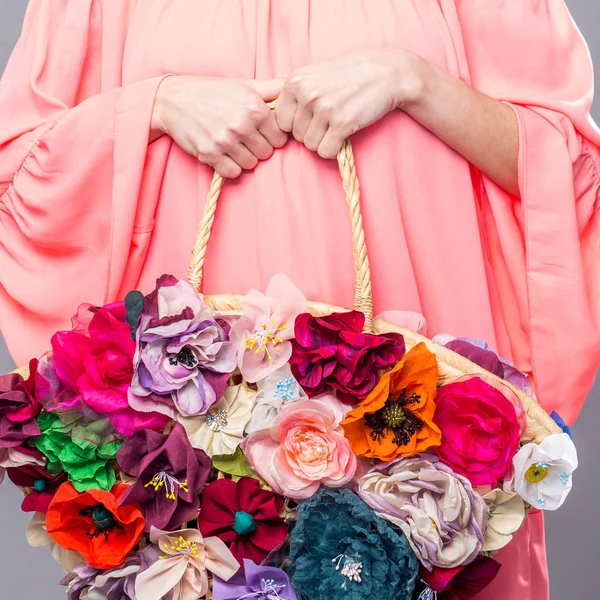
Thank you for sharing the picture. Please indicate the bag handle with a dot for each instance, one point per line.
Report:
(363, 295)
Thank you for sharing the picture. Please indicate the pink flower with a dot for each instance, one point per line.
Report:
(481, 428)
(263, 332)
(304, 449)
(92, 367)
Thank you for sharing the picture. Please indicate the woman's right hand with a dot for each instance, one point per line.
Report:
(225, 123)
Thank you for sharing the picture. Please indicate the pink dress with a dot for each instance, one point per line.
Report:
(89, 211)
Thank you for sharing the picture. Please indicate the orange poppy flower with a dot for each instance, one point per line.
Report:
(396, 418)
(93, 524)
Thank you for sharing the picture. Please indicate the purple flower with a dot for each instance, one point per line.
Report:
(255, 582)
(115, 584)
(168, 472)
(184, 357)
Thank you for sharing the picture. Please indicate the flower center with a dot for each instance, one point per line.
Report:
(263, 338)
(216, 419)
(537, 472)
(351, 568)
(397, 416)
(284, 389)
(184, 357)
(40, 485)
(269, 591)
(102, 519)
(243, 523)
(183, 547)
(170, 483)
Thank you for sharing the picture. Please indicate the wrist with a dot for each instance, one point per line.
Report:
(157, 121)
(414, 79)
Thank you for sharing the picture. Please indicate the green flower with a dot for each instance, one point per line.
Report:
(82, 451)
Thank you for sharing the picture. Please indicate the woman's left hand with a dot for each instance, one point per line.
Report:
(324, 103)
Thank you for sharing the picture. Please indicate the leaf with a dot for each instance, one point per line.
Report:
(235, 464)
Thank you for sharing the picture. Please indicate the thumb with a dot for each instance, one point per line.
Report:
(267, 89)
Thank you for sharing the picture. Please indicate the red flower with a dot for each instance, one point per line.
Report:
(94, 525)
(332, 352)
(244, 516)
(43, 486)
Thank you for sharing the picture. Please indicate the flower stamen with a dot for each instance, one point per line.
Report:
(264, 337)
(352, 569)
(284, 389)
(183, 547)
(216, 419)
(103, 520)
(185, 357)
(170, 483)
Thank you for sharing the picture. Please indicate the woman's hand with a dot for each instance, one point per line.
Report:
(225, 123)
(324, 103)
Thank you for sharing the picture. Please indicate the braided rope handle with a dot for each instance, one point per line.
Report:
(363, 296)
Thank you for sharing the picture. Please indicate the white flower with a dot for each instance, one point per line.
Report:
(37, 535)
(543, 473)
(221, 429)
(274, 392)
(506, 513)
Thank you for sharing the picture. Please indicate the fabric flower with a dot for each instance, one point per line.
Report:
(332, 353)
(186, 557)
(506, 513)
(244, 516)
(37, 536)
(263, 332)
(258, 582)
(94, 525)
(19, 408)
(396, 418)
(442, 517)
(86, 583)
(221, 430)
(83, 452)
(169, 474)
(19, 457)
(304, 449)
(274, 392)
(480, 429)
(479, 352)
(43, 486)
(460, 583)
(183, 358)
(90, 368)
(341, 550)
(543, 473)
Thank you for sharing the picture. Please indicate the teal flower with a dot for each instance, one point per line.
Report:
(341, 550)
(83, 452)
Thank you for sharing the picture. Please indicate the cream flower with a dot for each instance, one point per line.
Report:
(221, 429)
(274, 392)
(543, 473)
(506, 513)
(38, 536)
(437, 509)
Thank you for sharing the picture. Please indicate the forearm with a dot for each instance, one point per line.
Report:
(481, 129)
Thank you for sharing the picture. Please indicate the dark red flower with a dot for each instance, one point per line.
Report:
(332, 352)
(19, 408)
(462, 583)
(43, 485)
(246, 517)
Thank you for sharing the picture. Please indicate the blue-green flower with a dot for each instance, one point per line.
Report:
(342, 550)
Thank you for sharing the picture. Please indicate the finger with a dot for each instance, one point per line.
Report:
(270, 129)
(315, 133)
(285, 109)
(258, 145)
(331, 143)
(302, 121)
(226, 167)
(267, 89)
(242, 156)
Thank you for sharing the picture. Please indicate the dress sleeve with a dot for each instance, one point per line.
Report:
(73, 145)
(544, 246)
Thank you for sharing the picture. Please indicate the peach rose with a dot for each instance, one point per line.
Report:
(304, 449)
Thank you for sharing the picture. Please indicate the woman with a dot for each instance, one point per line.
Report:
(481, 208)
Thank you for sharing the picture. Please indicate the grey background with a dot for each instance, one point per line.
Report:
(572, 533)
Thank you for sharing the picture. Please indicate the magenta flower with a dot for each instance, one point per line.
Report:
(184, 357)
(90, 369)
(43, 485)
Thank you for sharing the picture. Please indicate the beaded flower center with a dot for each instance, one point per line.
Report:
(102, 519)
(216, 419)
(396, 416)
(266, 336)
(185, 357)
(181, 546)
(537, 472)
(169, 483)
(284, 389)
(350, 568)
